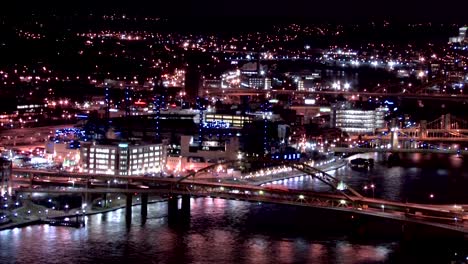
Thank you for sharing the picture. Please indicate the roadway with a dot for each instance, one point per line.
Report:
(32, 131)
(255, 92)
(32, 136)
(398, 150)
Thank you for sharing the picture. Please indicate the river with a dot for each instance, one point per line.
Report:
(226, 231)
(417, 177)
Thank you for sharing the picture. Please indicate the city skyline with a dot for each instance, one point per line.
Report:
(234, 132)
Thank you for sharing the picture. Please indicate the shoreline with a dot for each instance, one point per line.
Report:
(40, 221)
(326, 168)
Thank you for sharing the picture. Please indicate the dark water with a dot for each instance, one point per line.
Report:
(225, 231)
(414, 180)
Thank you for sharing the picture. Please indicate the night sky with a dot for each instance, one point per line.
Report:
(334, 10)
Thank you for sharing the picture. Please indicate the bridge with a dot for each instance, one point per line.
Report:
(404, 94)
(341, 197)
(445, 129)
(398, 150)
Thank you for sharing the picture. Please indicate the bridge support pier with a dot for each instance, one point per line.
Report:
(185, 206)
(394, 134)
(144, 208)
(128, 209)
(104, 198)
(176, 215)
(86, 200)
(172, 207)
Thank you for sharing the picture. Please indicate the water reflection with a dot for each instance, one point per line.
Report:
(418, 176)
(220, 231)
(225, 231)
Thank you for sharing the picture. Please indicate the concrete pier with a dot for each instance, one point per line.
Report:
(172, 207)
(185, 208)
(144, 208)
(128, 209)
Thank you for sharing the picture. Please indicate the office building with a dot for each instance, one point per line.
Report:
(226, 120)
(122, 158)
(194, 156)
(261, 83)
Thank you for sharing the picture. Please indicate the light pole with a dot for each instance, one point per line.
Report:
(372, 187)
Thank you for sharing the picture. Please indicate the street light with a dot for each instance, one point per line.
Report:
(372, 187)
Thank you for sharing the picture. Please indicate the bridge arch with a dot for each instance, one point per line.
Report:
(323, 176)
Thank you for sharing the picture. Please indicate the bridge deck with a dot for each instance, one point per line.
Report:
(427, 214)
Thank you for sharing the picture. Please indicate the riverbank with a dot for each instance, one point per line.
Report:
(254, 179)
(25, 216)
(292, 174)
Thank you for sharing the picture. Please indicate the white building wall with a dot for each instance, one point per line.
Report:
(360, 121)
(121, 159)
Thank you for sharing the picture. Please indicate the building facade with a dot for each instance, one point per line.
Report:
(227, 120)
(5, 173)
(194, 157)
(355, 121)
(461, 36)
(122, 158)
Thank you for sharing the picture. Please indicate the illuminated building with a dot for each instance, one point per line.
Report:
(212, 83)
(252, 75)
(259, 83)
(306, 80)
(227, 121)
(230, 79)
(252, 69)
(5, 172)
(310, 112)
(121, 158)
(210, 149)
(461, 36)
(358, 121)
(195, 156)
